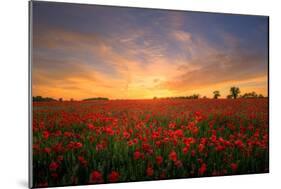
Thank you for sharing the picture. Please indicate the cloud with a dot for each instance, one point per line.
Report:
(58, 38)
(217, 68)
(181, 36)
(73, 79)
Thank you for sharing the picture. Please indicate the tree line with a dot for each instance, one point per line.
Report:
(42, 99)
(234, 94)
(235, 91)
(48, 99)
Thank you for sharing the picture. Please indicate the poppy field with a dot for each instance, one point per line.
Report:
(105, 141)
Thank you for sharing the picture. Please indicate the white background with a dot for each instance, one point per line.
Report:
(14, 93)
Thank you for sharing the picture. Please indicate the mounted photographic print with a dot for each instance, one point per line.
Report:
(121, 94)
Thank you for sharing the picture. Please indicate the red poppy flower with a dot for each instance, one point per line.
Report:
(179, 133)
(135, 140)
(158, 143)
(194, 130)
(67, 134)
(126, 134)
(220, 148)
(78, 145)
(58, 147)
(172, 125)
(173, 156)
(185, 150)
(130, 143)
(214, 138)
(149, 171)
(58, 133)
(159, 160)
(96, 177)
(91, 126)
(82, 160)
(47, 150)
(109, 131)
(239, 143)
(202, 169)
(201, 147)
(178, 163)
(137, 155)
(234, 166)
(53, 166)
(46, 134)
(166, 139)
(113, 176)
(146, 147)
(193, 153)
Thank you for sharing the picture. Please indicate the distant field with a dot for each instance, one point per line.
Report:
(133, 140)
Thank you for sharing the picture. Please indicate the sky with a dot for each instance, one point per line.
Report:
(84, 51)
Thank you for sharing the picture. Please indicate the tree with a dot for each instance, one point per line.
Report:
(95, 98)
(234, 91)
(250, 95)
(216, 94)
(195, 96)
(229, 96)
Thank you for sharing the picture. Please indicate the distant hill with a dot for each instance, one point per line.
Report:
(96, 98)
(42, 99)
